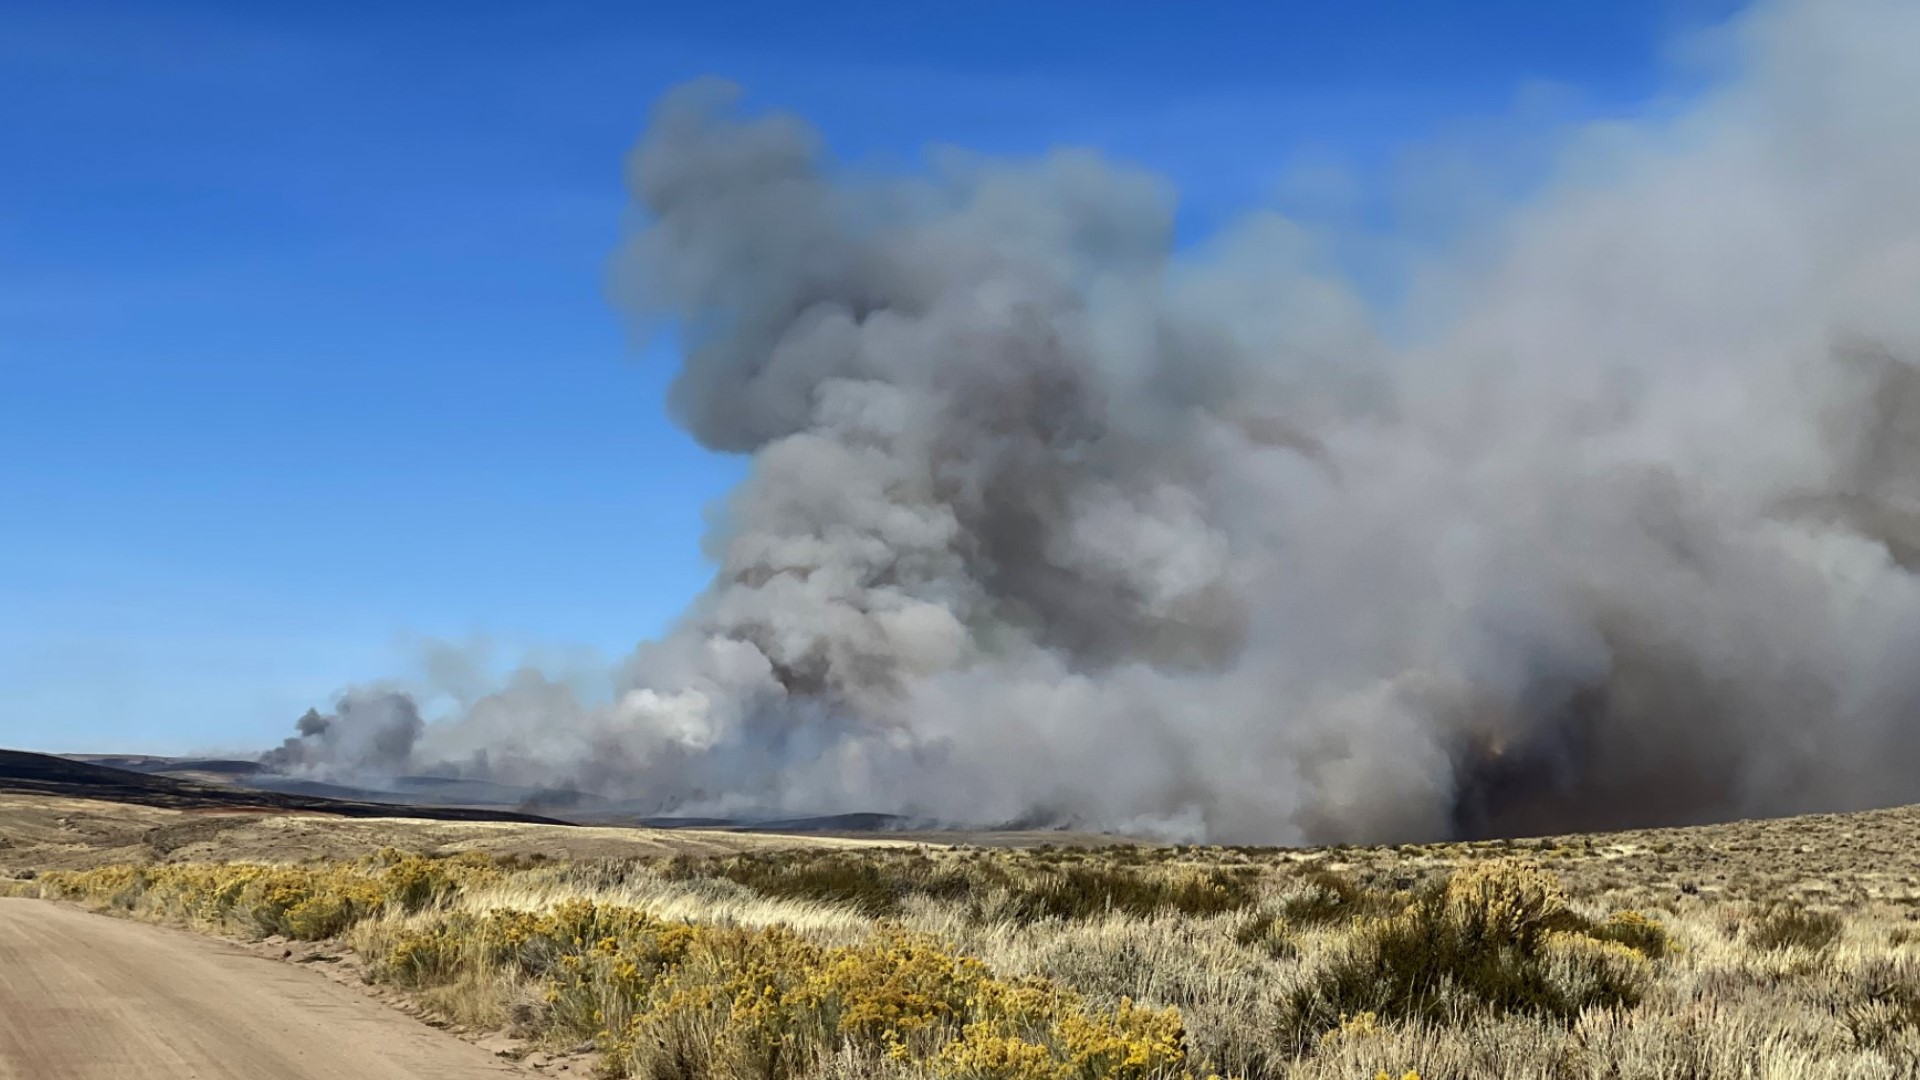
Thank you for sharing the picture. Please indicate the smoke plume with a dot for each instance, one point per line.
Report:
(1048, 521)
(368, 733)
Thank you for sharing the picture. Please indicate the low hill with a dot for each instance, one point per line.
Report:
(150, 763)
(564, 804)
(45, 774)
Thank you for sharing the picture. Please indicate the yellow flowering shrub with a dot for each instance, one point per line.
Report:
(1636, 932)
(674, 999)
(306, 903)
(1352, 1026)
(303, 902)
(988, 1055)
(412, 882)
(1504, 902)
(1131, 1043)
(894, 987)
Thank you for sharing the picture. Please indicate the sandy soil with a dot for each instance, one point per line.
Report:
(85, 996)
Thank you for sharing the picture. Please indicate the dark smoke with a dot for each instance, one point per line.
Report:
(1046, 520)
(367, 734)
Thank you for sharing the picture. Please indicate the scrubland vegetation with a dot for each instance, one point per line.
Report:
(1129, 963)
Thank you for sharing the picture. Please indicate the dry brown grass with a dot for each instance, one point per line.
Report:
(1786, 949)
(39, 832)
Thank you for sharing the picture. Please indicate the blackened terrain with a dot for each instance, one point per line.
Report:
(44, 774)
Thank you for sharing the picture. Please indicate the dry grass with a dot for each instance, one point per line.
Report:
(42, 832)
(1561, 959)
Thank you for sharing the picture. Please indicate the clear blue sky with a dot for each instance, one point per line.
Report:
(304, 355)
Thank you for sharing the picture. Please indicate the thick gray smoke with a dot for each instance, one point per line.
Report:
(368, 733)
(1047, 522)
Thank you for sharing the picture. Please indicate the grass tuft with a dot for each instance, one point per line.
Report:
(1133, 963)
(1495, 939)
(1787, 925)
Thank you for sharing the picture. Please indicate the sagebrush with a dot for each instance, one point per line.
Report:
(1127, 963)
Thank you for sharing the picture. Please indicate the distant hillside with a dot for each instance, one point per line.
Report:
(426, 796)
(148, 763)
(46, 774)
(402, 790)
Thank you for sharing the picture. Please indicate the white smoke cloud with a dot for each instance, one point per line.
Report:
(1048, 522)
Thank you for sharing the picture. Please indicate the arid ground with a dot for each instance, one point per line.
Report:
(1782, 948)
(84, 997)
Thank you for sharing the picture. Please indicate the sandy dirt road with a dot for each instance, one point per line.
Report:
(86, 996)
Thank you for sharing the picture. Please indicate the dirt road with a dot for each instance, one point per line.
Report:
(86, 996)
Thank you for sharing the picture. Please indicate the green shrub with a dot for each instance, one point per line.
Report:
(1023, 887)
(1885, 1004)
(1320, 897)
(1787, 925)
(1269, 934)
(1087, 892)
(875, 885)
(1495, 939)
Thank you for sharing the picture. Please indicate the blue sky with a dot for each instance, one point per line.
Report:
(304, 353)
